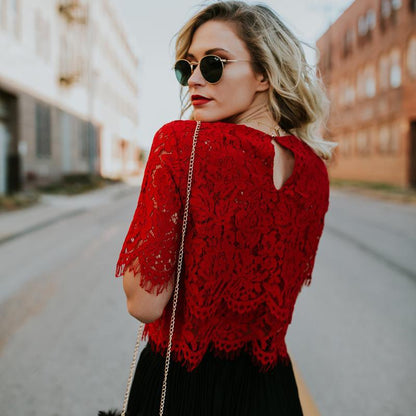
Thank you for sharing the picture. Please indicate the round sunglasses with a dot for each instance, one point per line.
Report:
(211, 67)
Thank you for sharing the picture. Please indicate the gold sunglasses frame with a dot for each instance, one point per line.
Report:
(223, 61)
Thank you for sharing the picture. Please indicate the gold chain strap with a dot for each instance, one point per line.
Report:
(132, 366)
(175, 294)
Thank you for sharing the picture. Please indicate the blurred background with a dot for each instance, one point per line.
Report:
(84, 85)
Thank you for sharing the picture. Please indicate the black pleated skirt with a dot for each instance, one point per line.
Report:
(217, 387)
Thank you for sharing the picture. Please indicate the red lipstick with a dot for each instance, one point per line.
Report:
(199, 99)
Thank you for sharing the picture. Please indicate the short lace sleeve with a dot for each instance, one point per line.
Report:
(151, 246)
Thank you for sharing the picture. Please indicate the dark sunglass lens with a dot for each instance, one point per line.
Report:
(211, 68)
(183, 71)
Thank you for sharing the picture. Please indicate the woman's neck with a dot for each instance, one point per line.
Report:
(258, 117)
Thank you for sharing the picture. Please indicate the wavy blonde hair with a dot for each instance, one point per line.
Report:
(297, 98)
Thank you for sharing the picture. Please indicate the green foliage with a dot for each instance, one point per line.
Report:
(377, 189)
(77, 183)
(18, 200)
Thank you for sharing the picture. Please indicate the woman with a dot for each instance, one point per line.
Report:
(259, 196)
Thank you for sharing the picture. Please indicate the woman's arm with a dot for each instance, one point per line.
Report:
(148, 258)
(144, 306)
(308, 404)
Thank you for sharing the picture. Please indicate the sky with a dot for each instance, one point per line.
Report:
(152, 24)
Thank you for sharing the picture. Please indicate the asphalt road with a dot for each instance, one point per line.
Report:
(353, 332)
(66, 339)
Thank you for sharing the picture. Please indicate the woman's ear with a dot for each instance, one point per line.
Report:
(262, 82)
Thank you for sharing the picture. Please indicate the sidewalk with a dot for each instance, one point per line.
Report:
(400, 196)
(54, 208)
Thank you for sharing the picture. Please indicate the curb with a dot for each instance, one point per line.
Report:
(398, 198)
(121, 191)
(41, 225)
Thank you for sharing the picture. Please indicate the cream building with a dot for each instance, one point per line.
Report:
(68, 92)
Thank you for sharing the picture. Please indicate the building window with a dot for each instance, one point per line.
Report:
(42, 36)
(327, 60)
(389, 139)
(349, 93)
(389, 6)
(388, 12)
(119, 148)
(395, 70)
(396, 4)
(395, 76)
(366, 25)
(14, 16)
(369, 82)
(363, 143)
(385, 12)
(411, 57)
(370, 86)
(345, 146)
(3, 13)
(384, 139)
(346, 94)
(87, 139)
(360, 84)
(43, 131)
(395, 138)
(383, 72)
(394, 142)
(348, 41)
(4, 108)
(83, 139)
(340, 93)
(371, 19)
(362, 26)
(385, 9)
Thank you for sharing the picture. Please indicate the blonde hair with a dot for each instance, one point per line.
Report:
(297, 99)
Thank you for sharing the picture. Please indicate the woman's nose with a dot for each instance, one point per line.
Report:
(196, 78)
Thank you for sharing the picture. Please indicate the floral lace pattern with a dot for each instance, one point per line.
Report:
(249, 248)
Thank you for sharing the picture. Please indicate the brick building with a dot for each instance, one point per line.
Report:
(368, 63)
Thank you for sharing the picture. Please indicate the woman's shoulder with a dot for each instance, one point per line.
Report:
(304, 150)
(181, 126)
(177, 126)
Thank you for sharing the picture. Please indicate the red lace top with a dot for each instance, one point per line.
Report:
(249, 247)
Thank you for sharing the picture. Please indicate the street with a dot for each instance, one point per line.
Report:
(67, 340)
(354, 329)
